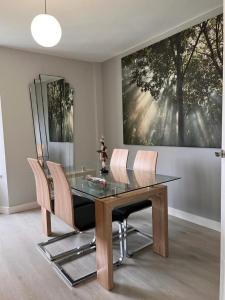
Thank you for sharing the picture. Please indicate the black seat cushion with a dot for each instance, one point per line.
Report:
(117, 216)
(84, 216)
(125, 211)
(79, 200)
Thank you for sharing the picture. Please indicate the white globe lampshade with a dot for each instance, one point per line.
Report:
(46, 30)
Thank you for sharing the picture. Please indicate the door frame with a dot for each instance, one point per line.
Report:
(222, 240)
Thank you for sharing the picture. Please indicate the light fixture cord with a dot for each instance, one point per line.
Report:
(45, 7)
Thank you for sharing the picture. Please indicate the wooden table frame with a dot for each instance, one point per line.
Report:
(103, 211)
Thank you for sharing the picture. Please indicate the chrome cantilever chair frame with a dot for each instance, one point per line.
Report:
(50, 257)
(127, 230)
(58, 264)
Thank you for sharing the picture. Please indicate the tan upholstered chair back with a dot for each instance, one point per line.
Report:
(63, 207)
(146, 161)
(42, 186)
(119, 158)
(120, 174)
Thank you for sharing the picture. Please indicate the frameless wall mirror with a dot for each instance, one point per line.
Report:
(52, 105)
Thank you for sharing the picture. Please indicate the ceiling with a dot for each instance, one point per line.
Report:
(96, 30)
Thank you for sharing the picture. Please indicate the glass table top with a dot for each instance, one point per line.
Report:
(116, 182)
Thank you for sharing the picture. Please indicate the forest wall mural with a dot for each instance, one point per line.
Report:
(172, 90)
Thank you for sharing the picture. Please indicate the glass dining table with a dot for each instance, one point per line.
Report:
(118, 188)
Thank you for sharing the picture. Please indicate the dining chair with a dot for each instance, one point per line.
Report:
(119, 158)
(144, 161)
(80, 218)
(43, 193)
(46, 200)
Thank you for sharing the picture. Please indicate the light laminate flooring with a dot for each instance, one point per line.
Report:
(191, 272)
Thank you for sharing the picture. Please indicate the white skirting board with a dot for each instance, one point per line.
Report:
(211, 224)
(18, 208)
(172, 211)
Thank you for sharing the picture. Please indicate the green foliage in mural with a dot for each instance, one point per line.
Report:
(183, 76)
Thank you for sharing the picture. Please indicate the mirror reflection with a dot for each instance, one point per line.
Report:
(52, 104)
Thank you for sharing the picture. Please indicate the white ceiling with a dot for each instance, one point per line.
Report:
(96, 30)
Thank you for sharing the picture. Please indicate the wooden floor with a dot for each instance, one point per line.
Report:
(190, 273)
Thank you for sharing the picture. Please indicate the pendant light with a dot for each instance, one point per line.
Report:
(46, 30)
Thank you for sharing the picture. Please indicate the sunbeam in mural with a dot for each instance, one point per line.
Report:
(172, 90)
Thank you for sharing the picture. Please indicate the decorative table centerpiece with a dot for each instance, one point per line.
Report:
(103, 155)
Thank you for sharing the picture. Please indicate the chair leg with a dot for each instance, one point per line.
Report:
(58, 264)
(75, 250)
(128, 230)
(125, 237)
(122, 245)
(46, 221)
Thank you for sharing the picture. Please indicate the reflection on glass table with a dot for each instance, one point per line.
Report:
(118, 181)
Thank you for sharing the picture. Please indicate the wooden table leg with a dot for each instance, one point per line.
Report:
(46, 221)
(160, 223)
(104, 258)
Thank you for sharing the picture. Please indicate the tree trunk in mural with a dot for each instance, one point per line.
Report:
(177, 49)
(179, 94)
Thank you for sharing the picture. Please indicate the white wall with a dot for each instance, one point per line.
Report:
(18, 69)
(198, 192)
